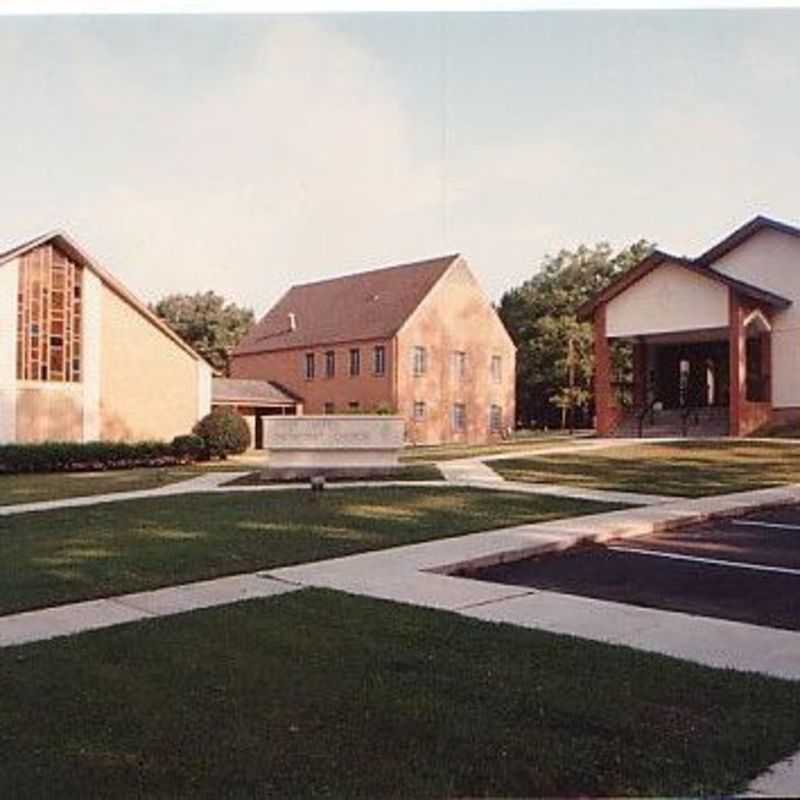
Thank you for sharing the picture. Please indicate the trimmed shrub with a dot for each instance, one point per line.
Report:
(224, 432)
(76, 456)
(189, 447)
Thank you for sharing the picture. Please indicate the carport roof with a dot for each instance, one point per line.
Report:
(239, 391)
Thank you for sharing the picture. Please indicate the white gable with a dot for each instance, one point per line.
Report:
(668, 299)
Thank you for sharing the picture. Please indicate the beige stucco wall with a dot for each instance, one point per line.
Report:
(49, 412)
(771, 260)
(148, 383)
(670, 298)
(455, 316)
(9, 281)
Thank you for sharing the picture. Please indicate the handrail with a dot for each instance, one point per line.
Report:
(648, 408)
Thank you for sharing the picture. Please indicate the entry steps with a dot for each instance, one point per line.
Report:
(703, 422)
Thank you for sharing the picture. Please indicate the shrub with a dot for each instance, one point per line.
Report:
(189, 447)
(224, 432)
(77, 456)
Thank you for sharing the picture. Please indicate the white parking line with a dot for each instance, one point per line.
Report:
(766, 524)
(702, 560)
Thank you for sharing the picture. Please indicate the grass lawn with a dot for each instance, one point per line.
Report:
(74, 554)
(318, 694)
(16, 489)
(406, 472)
(691, 469)
(449, 452)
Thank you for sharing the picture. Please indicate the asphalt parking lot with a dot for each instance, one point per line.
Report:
(745, 569)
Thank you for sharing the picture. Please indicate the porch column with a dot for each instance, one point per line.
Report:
(604, 401)
(738, 363)
(640, 373)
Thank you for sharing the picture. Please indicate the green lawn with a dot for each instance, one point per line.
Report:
(16, 489)
(72, 554)
(406, 472)
(691, 469)
(449, 452)
(321, 694)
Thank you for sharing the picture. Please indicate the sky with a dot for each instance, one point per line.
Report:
(247, 153)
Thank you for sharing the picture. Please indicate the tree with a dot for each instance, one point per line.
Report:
(206, 323)
(555, 352)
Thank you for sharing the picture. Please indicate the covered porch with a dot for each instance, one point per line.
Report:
(683, 351)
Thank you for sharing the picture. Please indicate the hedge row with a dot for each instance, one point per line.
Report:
(221, 433)
(74, 456)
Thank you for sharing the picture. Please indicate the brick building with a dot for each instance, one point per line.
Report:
(420, 339)
(82, 359)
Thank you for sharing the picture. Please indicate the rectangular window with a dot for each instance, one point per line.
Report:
(380, 360)
(420, 360)
(495, 419)
(353, 406)
(330, 364)
(459, 417)
(497, 369)
(459, 365)
(330, 408)
(355, 363)
(419, 410)
(309, 366)
(49, 317)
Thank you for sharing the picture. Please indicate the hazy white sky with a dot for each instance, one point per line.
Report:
(243, 154)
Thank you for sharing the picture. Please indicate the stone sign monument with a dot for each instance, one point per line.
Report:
(332, 445)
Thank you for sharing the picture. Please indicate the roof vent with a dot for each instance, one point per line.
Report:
(292, 321)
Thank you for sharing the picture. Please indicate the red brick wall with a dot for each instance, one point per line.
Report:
(287, 367)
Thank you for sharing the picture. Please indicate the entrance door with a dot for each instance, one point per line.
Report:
(259, 443)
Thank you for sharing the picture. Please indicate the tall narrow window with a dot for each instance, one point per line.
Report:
(330, 364)
(459, 417)
(379, 366)
(495, 419)
(49, 315)
(310, 366)
(419, 410)
(459, 365)
(420, 360)
(355, 363)
(497, 369)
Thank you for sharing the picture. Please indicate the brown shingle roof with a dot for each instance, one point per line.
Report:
(367, 305)
(250, 392)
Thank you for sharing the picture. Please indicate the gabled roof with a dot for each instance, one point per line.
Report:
(741, 234)
(242, 391)
(72, 249)
(699, 266)
(367, 305)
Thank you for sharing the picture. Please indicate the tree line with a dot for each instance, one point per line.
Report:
(555, 358)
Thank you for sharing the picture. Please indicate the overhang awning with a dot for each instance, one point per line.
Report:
(246, 392)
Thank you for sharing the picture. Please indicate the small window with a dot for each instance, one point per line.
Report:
(497, 369)
(459, 365)
(419, 410)
(330, 364)
(420, 360)
(380, 360)
(495, 419)
(353, 406)
(355, 363)
(309, 366)
(459, 417)
(330, 408)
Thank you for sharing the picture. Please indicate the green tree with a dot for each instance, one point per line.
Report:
(207, 323)
(554, 356)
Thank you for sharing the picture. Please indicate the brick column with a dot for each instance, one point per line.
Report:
(604, 399)
(738, 364)
(640, 373)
